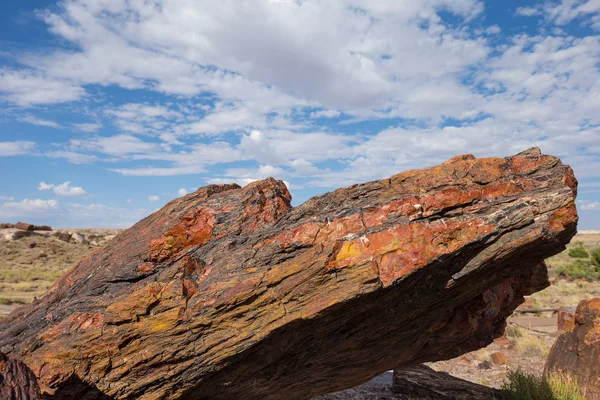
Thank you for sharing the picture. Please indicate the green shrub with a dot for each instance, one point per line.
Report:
(596, 257)
(578, 252)
(580, 269)
(523, 386)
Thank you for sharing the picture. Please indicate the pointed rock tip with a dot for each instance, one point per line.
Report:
(534, 151)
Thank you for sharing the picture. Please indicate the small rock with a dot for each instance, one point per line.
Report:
(16, 235)
(485, 364)
(63, 236)
(32, 245)
(78, 238)
(42, 228)
(566, 319)
(498, 358)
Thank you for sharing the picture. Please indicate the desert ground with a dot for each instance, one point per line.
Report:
(29, 265)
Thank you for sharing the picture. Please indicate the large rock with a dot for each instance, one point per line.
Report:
(17, 382)
(576, 352)
(422, 382)
(230, 293)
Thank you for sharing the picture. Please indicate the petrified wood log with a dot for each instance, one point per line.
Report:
(17, 382)
(230, 293)
(422, 382)
(576, 353)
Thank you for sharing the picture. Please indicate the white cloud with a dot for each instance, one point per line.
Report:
(16, 148)
(87, 127)
(256, 83)
(589, 205)
(153, 198)
(566, 11)
(27, 207)
(182, 192)
(63, 189)
(30, 119)
(325, 114)
(527, 11)
(72, 156)
(27, 88)
(6, 198)
(45, 186)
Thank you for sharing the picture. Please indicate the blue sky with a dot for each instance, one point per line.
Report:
(111, 108)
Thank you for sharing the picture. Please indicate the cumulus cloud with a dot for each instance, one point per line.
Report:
(240, 92)
(182, 192)
(153, 198)
(29, 88)
(63, 189)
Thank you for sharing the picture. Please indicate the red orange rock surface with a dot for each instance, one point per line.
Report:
(230, 293)
(576, 353)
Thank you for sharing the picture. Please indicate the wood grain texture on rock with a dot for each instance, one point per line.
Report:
(422, 382)
(17, 382)
(230, 293)
(576, 353)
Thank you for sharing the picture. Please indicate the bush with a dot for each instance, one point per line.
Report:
(596, 257)
(580, 269)
(578, 252)
(522, 386)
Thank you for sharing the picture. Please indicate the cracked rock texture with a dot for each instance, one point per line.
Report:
(17, 382)
(230, 293)
(422, 382)
(576, 353)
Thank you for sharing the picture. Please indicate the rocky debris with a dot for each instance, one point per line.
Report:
(576, 352)
(43, 228)
(77, 238)
(498, 358)
(422, 382)
(566, 319)
(230, 293)
(17, 382)
(64, 236)
(24, 226)
(12, 234)
(6, 226)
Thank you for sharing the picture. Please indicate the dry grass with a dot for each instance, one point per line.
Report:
(565, 293)
(526, 342)
(29, 266)
(523, 386)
